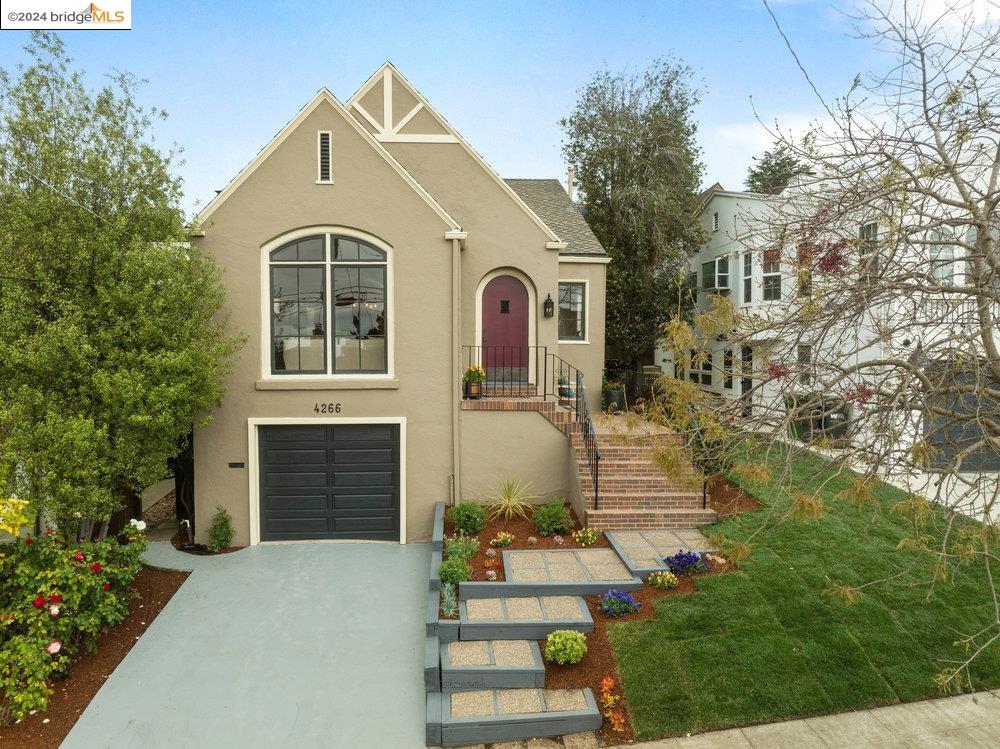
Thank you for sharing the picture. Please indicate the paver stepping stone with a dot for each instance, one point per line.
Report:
(490, 664)
(521, 617)
(489, 716)
(643, 551)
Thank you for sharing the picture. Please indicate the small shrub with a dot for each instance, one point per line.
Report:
(454, 571)
(220, 535)
(663, 580)
(558, 540)
(618, 603)
(587, 536)
(512, 500)
(469, 518)
(461, 547)
(531, 540)
(552, 517)
(565, 646)
(449, 600)
(503, 538)
(684, 562)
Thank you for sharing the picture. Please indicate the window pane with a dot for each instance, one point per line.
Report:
(772, 288)
(352, 249)
(708, 275)
(359, 318)
(298, 324)
(310, 249)
(571, 311)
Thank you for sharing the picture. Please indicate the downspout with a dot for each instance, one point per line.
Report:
(458, 241)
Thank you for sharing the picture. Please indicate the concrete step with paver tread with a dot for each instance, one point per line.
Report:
(491, 715)
(491, 664)
(522, 617)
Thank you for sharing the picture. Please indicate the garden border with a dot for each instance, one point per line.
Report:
(463, 678)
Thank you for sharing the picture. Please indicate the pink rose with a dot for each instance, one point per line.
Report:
(79, 556)
(53, 647)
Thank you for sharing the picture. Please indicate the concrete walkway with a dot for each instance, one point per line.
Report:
(276, 645)
(969, 721)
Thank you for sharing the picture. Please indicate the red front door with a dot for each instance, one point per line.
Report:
(505, 331)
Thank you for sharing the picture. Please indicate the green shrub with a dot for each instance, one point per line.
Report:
(55, 598)
(469, 518)
(220, 535)
(552, 517)
(565, 646)
(449, 600)
(587, 536)
(461, 547)
(454, 571)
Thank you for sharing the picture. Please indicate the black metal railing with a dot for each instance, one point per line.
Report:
(511, 371)
(589, 438)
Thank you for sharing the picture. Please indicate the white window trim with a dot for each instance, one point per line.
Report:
(265, 307)
(586, 312)
(319, 159)
(763, 283)
(744, 277)
(253, 461)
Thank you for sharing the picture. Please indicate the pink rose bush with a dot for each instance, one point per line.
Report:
(56, 597)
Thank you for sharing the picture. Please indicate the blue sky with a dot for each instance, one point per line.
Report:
(232, 73)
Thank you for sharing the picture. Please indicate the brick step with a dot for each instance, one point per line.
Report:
(491, 716)
(491, 664)
(616, 519)
(642, 481)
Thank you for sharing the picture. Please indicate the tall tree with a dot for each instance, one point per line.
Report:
(110, 341)
(631, 140)
(773, 169)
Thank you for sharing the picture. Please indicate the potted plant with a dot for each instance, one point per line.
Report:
(565, 390)
(614, 397)
(473, 380)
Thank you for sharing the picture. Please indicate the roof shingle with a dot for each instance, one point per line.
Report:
(550, 202)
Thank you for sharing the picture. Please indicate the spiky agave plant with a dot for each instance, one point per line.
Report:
(513, 499)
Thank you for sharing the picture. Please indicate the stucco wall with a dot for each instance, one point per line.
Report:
(513, 444)
(368, 195)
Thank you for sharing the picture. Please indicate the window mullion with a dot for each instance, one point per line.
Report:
(328, 340)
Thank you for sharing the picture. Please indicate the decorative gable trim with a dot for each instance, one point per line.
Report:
(388, 132)
(323, 95)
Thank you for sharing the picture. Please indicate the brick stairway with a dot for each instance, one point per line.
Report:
(634, 492)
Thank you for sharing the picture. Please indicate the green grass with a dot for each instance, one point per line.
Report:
(766, 643)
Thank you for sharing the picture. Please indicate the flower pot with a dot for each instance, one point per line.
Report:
(565, 391)
(615, 400)
(474, 390)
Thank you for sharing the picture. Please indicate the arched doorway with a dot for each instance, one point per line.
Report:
(505, 353)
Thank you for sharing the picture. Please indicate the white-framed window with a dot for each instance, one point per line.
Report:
(942, 257)
(700, 372)
(324, 157)
(747, 278)
(572, 312)
(715, 274)
(868, 246)
(727, 369)
(771, 276)
(328, 307)
(715, 221)
(805, 356)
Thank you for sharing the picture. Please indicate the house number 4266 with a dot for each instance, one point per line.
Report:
(327, 408)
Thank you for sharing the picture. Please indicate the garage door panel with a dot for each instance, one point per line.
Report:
(364, 501)
(296, 457)
(329, 482)
(386, 455)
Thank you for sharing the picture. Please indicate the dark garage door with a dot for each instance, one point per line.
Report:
(329, 482)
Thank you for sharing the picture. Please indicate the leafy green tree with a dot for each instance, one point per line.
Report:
(631, 140)
(772, 170)
(111, 342)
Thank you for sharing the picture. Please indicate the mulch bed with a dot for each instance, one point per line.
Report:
(727, 499)
(89, 671)
(175, 541)
(522, 528)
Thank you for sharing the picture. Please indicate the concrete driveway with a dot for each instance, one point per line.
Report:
(275, 645)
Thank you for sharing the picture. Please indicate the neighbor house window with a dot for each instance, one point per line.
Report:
(867, 245)
(727, 369)
(805, 363)
(715, 274)
(942, 257)
(572, 311)
(700, 371)
(747, 278)
(771, 276)
(313, 332)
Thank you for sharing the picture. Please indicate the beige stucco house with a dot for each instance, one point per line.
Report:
(370, 254)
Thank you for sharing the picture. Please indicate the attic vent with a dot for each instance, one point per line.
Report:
(325, 174)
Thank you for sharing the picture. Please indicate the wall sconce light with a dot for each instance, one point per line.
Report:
(548, 306)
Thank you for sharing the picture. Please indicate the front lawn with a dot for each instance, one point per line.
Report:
(766, 644)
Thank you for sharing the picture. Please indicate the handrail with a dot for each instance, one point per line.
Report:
(590, 446)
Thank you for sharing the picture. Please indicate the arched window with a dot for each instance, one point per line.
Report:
(323, 278)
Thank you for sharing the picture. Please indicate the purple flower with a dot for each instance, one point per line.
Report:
(685, 561)
(618, 603)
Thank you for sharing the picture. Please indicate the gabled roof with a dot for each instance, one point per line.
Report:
(548, 199)
(323, 95)
(389, 124)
